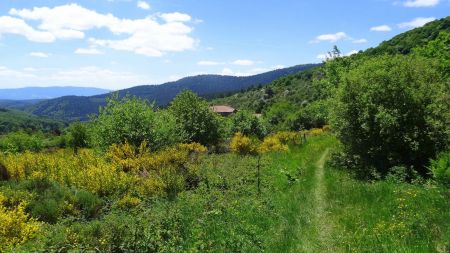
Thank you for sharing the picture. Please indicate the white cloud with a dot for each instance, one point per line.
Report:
(39, 54)
(90, 76)
(360, 41)
(331, 37)
(143, 5)
(18, 26)
(381, 28)
(146, 36)
(92, 51)
(209, 63)
(417, 22)
(175, 17)
(243, 62)
(421, 3)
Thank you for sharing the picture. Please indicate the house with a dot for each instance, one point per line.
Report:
(223, 110)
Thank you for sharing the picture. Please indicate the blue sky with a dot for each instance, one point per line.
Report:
(117, 44)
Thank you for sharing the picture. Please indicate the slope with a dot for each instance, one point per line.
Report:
(73, 107)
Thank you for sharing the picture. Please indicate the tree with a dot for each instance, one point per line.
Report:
(195, 118)
(391, 111)
(248, 124)
(78, 136)
(127, 120)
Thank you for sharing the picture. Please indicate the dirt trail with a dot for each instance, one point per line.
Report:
(324, 226)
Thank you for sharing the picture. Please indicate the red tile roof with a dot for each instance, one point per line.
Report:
(222, 109)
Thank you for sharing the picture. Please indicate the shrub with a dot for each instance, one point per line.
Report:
(128, 202)
(195, 118)
(390, 111)
(248, 124)
(243, 145)
(441, 168)
(129, 119)
(16, 226)
(88, 203)
(19, 142)
(78, 136)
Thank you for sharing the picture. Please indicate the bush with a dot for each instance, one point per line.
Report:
(78, 136)
(129, 119)
(441, 168)
(248, 124)
(19, 142)
(195, 118)
(88, 203)
(243, 145)
(16, 227)
(391, 111)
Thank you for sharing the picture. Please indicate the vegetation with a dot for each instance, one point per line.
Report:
(13, 121)
(184, 179)
(73, 108)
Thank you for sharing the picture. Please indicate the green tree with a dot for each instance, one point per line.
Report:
(195, 118)
(129, 119)
(248, 124)
(280, 115)
(78, 136)
(390, 111)
(438, 48)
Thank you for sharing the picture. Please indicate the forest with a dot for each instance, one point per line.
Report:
(352, 155)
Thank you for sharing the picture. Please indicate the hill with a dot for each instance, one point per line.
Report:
(298, 89)
(12, 120)
(79, 107)
(34, 93)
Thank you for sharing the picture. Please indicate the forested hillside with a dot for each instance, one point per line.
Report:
(299, 100)
(12, 120)
(74, 107)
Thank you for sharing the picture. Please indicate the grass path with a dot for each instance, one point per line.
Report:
(323, 224)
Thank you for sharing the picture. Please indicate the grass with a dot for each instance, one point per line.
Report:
(305, 206)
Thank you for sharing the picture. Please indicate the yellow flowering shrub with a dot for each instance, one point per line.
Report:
(15, 225)
(272, 143)
(242, 145)
(286, 137)
(128, 202)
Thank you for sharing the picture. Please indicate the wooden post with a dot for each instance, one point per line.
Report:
(258, 173)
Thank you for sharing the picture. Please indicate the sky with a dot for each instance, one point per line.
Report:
(116, 44)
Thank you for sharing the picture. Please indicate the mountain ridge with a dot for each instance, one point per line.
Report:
(72, 108)
(50, 92)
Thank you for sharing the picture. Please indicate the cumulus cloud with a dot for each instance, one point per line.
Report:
(175, 17)
(18, 26)
(91, 51)
(331, 37)
(143, 5)
(417, 22)
(39, 54)
(381, 28)
(421, 3)
(209, 63)
(243, 62)
(148, 36)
